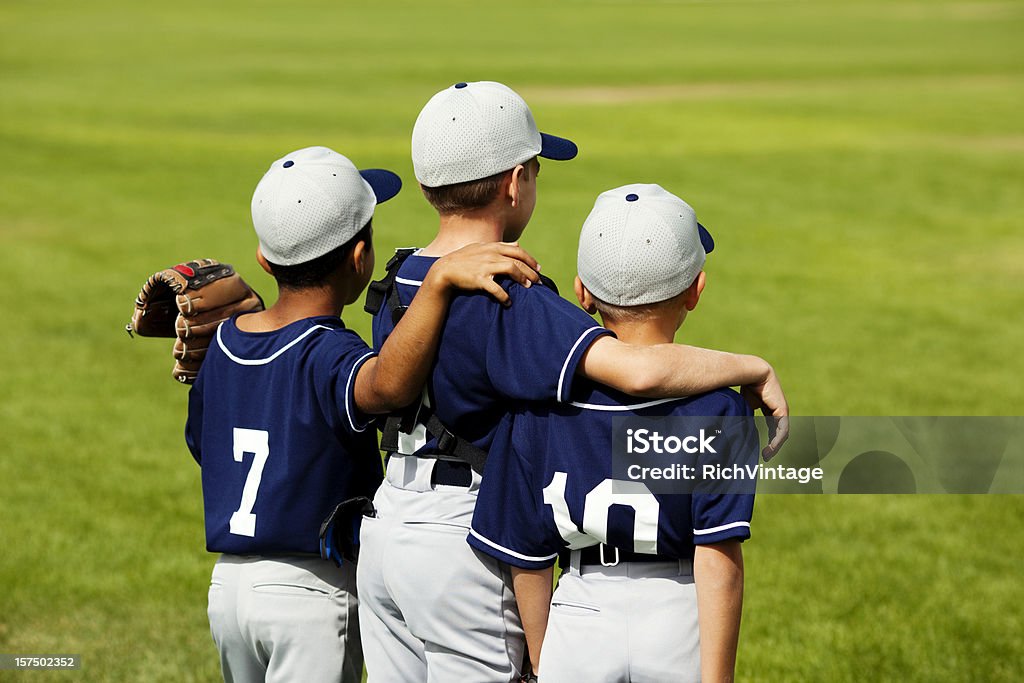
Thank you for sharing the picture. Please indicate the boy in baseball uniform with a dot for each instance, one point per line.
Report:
(652, 582)
(432, 608)
(279, 416)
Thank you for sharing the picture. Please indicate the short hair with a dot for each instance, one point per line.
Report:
(635, 314)
(625, 314)
(467, 196)
(315, 273)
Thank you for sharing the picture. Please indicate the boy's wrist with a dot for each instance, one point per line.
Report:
(438, 282)
(760, 369)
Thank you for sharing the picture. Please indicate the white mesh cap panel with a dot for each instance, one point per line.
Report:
(470, 131)
(639, 245)
(309, 202)
(600, 258)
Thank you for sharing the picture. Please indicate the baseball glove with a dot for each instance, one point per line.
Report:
(188, 302)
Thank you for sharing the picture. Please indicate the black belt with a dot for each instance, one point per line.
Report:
(607, 556)
(452, 473)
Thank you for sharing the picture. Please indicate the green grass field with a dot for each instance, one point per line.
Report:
(860, 164)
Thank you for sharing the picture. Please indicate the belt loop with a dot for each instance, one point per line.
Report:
(574, 562)
(604, 563)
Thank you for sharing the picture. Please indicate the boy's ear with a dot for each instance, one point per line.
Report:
(262, 260)
(515, 178)
(584, 296)
(360, 256)
(692, 293)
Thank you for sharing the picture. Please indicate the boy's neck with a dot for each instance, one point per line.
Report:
(653, 330)
(458, 230)
(291, 306)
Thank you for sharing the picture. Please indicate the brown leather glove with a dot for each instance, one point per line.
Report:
(188, 302)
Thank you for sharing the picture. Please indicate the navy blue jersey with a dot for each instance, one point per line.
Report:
(491, 356)
(548, 487)
(273, 423)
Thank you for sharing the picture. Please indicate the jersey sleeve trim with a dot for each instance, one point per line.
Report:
(573, 359)
(725, 532)
(265, 361)
(351, 410)
(407, 281)
(716, 529)
(622, 408)
(508, 555)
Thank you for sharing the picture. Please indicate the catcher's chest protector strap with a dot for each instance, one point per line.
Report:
(448, 443)
(384, 290)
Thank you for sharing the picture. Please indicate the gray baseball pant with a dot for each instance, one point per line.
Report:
(285, 619)
(634, 622)
(432, 609)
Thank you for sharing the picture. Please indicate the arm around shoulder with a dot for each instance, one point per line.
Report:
(667, 370)
(395, 378)
(671, 370)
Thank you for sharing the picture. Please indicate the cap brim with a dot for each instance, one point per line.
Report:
(385, 184)
(559, 149)
(706, 240)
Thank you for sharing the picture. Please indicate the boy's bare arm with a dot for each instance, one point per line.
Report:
(718, 574)
(533, 595)
(395, 377)
(667, 370)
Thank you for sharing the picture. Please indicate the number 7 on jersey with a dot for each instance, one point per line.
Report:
(257, 442)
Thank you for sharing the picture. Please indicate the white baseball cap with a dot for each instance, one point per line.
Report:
(314, 200)
(474, 130)
(641, 244)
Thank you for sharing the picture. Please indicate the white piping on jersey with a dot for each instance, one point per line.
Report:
(404, 281)
(348, 392)
(513, 553)
(714, 529)
(264, 361)
(635, 406)
(565, 365)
